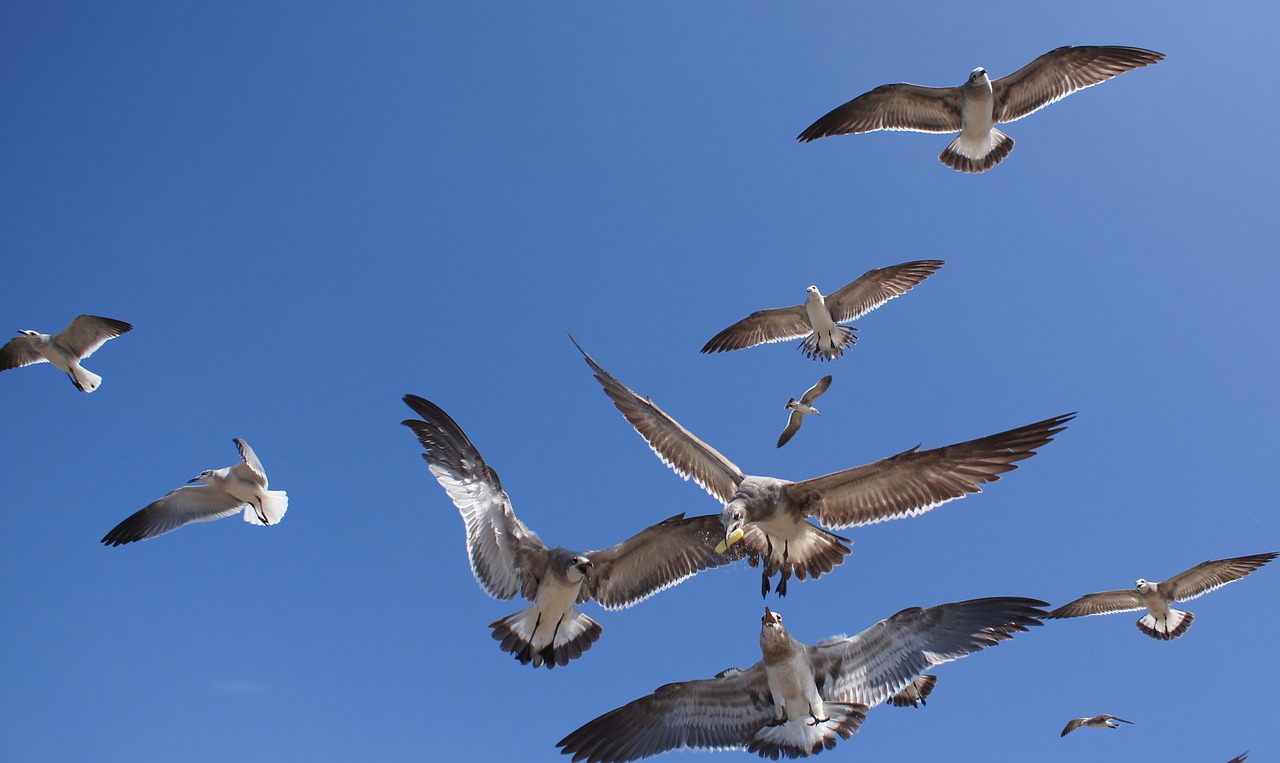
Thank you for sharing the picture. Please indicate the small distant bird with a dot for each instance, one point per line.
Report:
(508, 558)
(977, 106)
(65, 349)
(770, 516)
(914, 693)
(818, 319)
(224, 492)
(800, 700)
(1239, 758)
(1162, 621)
(1096, 722)
(801, 408)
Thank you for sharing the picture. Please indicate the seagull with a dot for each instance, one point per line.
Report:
(1162, 621)
(914, 693)
(798, 699)
(1239, 758)
(1103, 721)
(818, 319)
(801, 408)
(977, 106)
(223, 492)
(769, 515)
(65, 349)
(508, 558)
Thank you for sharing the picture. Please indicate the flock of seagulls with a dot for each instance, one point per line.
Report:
(799, 699)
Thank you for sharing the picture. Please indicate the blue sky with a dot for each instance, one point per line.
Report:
(309, 210)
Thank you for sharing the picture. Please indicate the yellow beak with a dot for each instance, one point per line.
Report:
(729, 540)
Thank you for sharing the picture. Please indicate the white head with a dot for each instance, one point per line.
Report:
(582, 564)
(206, 476)
(1143, 585)
(813, 291)
(978, 76)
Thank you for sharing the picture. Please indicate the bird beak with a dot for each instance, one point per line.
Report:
(770, 618)
(729, 540)
(583, 567)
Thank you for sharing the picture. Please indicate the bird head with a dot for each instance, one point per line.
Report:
(1143, 585)
(583, 565)
(29, 332)
(206, 476)
(734, 518)
(977, 75)
(771, 618)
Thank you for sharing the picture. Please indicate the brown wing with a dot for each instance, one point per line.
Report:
(18, 352)
(892, 107)
(916, 481)
(793, 425)
(1102, 603)
(776, 324)
(656, 559)
(875, 287)
(676, 446)
(1211, 575)
(1061, 72)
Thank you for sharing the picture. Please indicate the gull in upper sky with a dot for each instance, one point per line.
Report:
(222, 493)
(801, 408)
(508, 558)
(1162, 621)
(818, 318)
(768, 515)
(977, 106)
(1103, 721)
(65, 349)
(800, 700)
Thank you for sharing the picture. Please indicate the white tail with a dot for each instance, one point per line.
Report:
(1170, 628)
(85, 380)
(815, 348)
(531, 640)
(801, 737)
(274, 504)
(969, 155)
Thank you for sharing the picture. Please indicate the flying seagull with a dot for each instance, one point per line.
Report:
(508, 558)
(65, 349)
(914, 693)
(818, 318)
(768, 515)
(223, 492)
(1162, 621)
(1103, 721)
(1239, 758)
(801, 408)
(976, 107)
(798, 699)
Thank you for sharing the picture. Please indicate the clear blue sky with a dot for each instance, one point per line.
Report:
(308, 210)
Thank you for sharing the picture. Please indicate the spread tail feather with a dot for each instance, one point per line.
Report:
(273, 508)
(815, 348)
(966, 155)
(545, 644)
(1172, 627)
(801, 737)
(85, 380)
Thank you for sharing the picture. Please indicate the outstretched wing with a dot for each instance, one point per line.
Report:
(793, 425)
(655, 559)
(876, 664)
(1061, 72)
(19, 352)
(184, 506)
(875, 287)
(777, 324)
(1101, 603)
(916, 481)
(1211, 575)
(86, 333)
(816, 391)
(900, 106)
(710, 714)
(506, 557)
(259, 474)
(676, 446)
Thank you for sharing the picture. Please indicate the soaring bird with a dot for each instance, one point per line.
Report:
(977, 106)
(768, 515)
(800, 700)
(223, 492)
(1162, 621)
(818, 318)
(1103, 721)
(508, 558)
(801, 408)
(65, 349)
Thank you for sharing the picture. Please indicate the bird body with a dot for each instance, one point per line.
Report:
(977, 106)
(801, 408)
(221, 493)
(1103, 721)
(65, 349)
(1162, 621)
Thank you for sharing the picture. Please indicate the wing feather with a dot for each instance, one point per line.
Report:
(86, 333)
(19, 352)
(900, 106)
(1101, 603)
(875, 287)
(1211, 575)
(1061, 72)
(777, 324)
(655, 559)
(184, 506)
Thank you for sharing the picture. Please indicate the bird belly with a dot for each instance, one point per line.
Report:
(555, 602)
(977, 116)
(793, 689)
(819, 319)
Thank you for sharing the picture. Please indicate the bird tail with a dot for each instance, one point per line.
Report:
(968, 155)
(85, 380)
(1168, 629)
(802, 737)
(274, 504)
(545, 644)
(815, 348)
